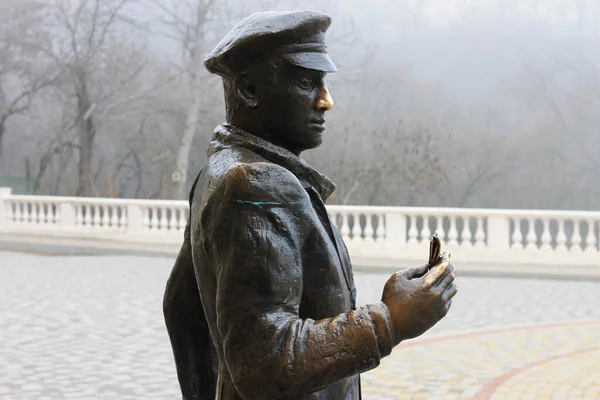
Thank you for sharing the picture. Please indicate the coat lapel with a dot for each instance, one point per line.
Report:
(336, 240)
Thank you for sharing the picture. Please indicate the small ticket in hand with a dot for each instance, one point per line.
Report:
(435, 252)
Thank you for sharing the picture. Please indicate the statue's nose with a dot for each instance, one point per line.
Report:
(325, 101)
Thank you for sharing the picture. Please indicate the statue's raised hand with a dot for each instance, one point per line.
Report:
(419, 297)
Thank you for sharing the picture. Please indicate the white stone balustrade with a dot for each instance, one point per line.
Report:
(375, 236)
(142, 221)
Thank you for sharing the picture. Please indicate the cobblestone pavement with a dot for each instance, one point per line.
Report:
(92, 328)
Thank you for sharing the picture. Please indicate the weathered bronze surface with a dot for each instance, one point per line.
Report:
(261, 302)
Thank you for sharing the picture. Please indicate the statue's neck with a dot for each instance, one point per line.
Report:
(255, 127)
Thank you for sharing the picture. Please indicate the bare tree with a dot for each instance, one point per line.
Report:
(191, 35)
(22, 77)
(77, 38)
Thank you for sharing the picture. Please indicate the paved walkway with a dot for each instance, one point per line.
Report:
(91, 328)
(554, 361)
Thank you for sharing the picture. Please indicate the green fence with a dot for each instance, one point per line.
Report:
(18, 185)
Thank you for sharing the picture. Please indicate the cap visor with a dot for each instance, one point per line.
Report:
(312, 60)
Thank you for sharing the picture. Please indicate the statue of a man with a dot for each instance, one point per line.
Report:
(261, 301)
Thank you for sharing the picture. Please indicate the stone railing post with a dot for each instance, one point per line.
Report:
(395, 230)
(135, 220)
(67, 215)
(498, 233)
(4, 195)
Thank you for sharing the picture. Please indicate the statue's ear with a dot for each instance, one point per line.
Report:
(246, 90)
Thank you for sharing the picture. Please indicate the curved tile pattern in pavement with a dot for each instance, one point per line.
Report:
(515, 363)
(91, 328)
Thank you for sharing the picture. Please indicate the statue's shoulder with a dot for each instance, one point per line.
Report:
(259, 181)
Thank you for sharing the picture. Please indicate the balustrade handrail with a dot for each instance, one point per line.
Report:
(473, 212)
(97, 200)
(432, 211)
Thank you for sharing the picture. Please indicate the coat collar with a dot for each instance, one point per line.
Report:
(227, 135)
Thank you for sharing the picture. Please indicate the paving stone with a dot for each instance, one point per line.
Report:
(92, 327)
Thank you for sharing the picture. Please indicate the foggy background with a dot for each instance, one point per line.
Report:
(485, 103)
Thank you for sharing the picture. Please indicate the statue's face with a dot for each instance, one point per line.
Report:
(292, 106)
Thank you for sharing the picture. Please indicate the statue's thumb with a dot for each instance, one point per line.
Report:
(416, 272)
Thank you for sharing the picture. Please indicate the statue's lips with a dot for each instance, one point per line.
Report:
(318, 124)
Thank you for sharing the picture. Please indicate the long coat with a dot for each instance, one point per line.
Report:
(276, 316)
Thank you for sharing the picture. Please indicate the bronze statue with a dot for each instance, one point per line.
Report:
(261, 301)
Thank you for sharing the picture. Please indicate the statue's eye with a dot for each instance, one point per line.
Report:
(306, 83)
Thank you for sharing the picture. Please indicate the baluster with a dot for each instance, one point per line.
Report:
(440, 228)
(19, 212)
(97, 220)
(114, 217)
(479, 232)
(55, 210)
(466, 232)
(576, 238)
(49, 213)
(123, 218)
(590, 243)
(44, 207)
(356, 230)
(40, 217)
(344, 226)
(369, 231)
(413, 232)
(546, 236)
(452, 232)
(78, 215)
(173, 219)
(531, 235)
(24, 212)
(146, 213)
(181, 220)
(432, 229)
(164, 219)
(379, 231)
(517, 237)
(11, 213)
(85, 215)
(106, 210)
(34, 213)
(561, 237)
(155, 224)
(29, 212)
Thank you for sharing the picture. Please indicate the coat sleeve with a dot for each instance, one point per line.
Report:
(255, 232)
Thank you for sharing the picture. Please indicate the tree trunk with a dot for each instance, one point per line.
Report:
(2, 131)
(85, 132)
(183, 155)
(185, 147)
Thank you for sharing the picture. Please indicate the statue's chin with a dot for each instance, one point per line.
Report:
(316, 142)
